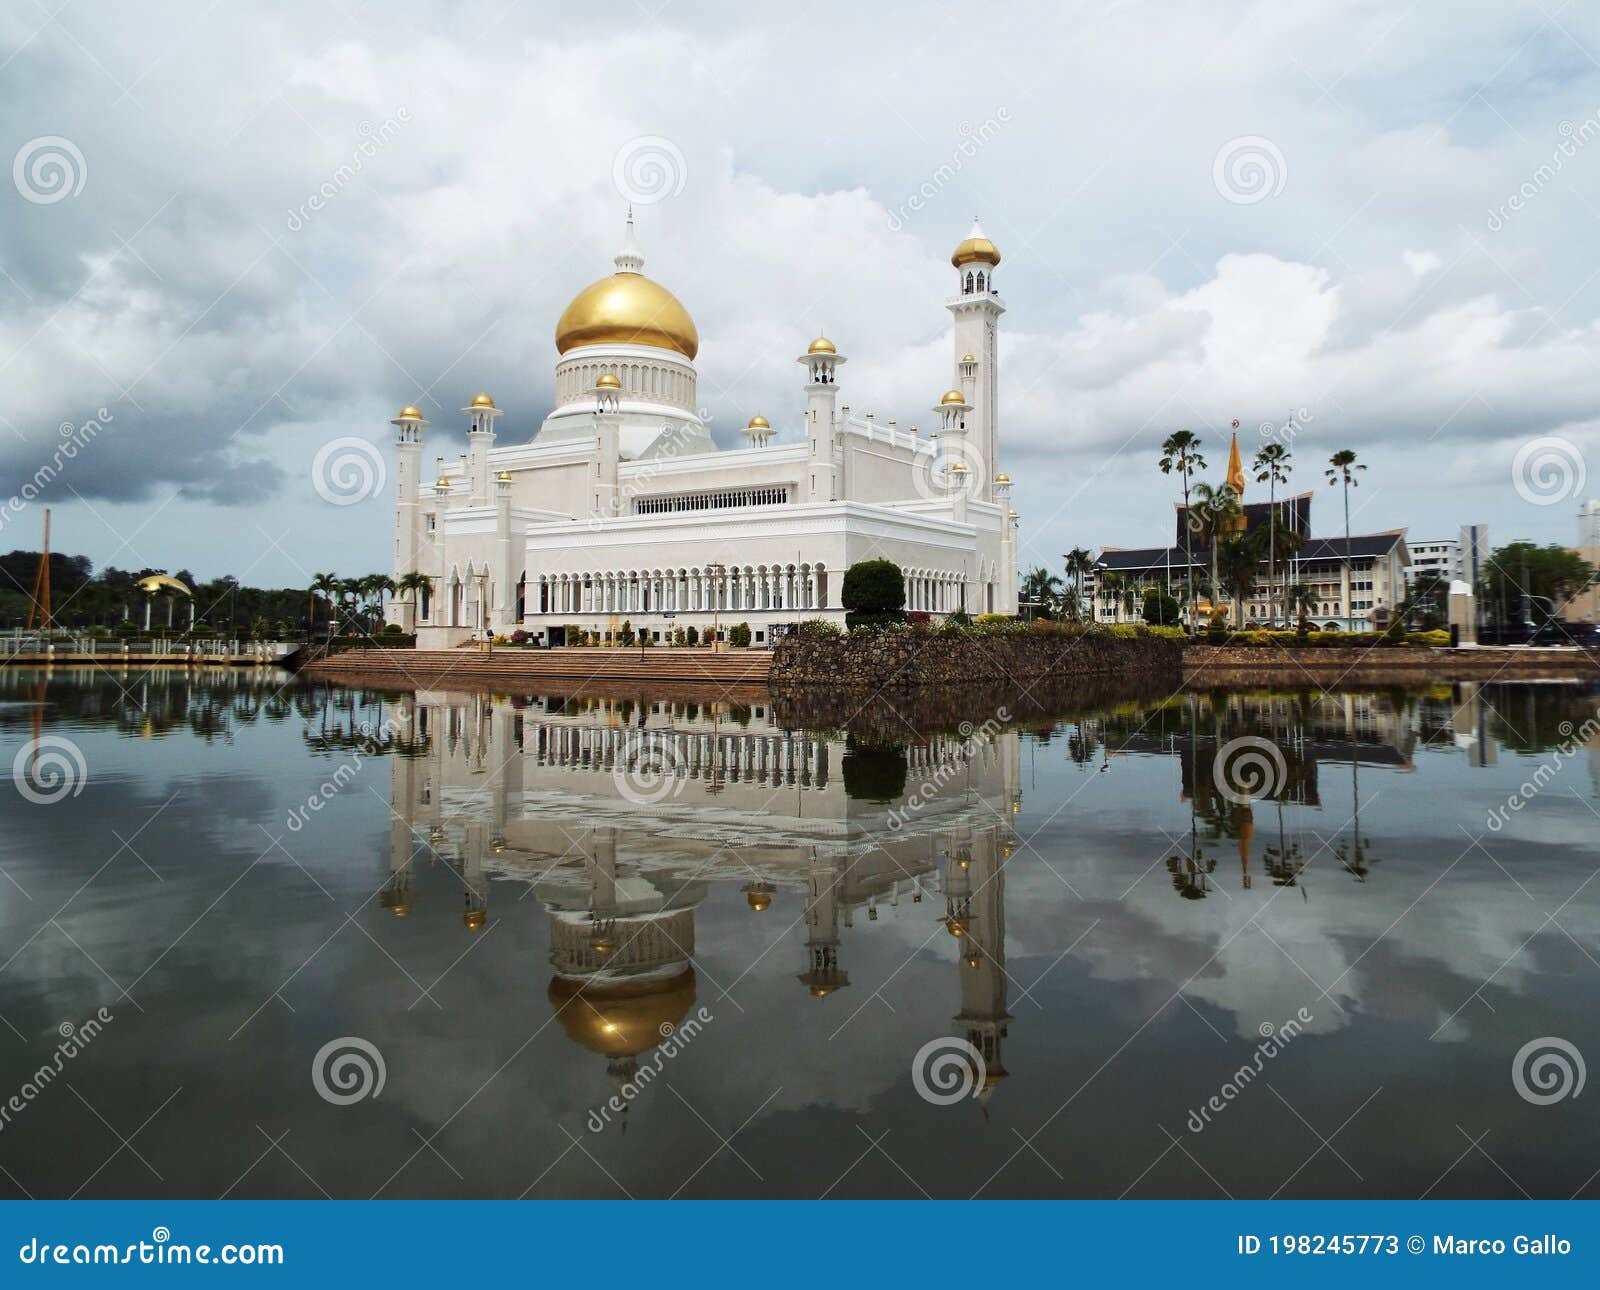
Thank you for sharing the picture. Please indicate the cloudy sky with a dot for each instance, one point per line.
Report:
(1376, 219)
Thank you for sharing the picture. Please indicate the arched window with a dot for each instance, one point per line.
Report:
(969, 284)
(980, 282)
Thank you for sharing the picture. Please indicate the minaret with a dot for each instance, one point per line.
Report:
(407, 514)
(506, 563)
(480, 438)
(976, 309)
(821, 361)
(1005, 599)
(608, 431)
(758, 432)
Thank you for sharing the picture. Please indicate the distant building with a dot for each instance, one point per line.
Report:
(1354, 584)
(1589, 523)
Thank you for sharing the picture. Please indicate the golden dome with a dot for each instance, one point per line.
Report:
(1013, 515)
(473, 919)
(955, 927)
(504, 476)
(820, 991)
(627, 309)
(976, 249)
(410, 413)
(482, 401)
(621, 1020)
(160, 582)
(822, 345)
(960, 468)
(953, 397)
(442, 484)
(759, 900)
(969, 358)
(608, 381)
(1002, 478)
(760, 423)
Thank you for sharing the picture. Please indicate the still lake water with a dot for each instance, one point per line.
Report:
(511, 903)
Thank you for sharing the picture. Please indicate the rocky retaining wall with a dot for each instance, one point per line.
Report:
(899, 661)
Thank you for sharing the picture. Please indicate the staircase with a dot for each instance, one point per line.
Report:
(464, 666)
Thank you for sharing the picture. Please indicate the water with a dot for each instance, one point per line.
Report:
(508, 902)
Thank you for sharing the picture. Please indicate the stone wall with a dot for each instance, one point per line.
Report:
(1380, 665)
(917, 660)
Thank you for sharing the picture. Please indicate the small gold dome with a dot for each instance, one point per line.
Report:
(627, 309)
(504, 476)
(976, 249)
(608, 381)
(955, 927)
(953, 397)
(442, 484)
(473, 919)
(1014, 515)
(760, 423)
(822, 345)
(482, 401)
(1002, 478)
(960, 468)
(759, 900)
(969, 358)
(820, 991)
(409, 413)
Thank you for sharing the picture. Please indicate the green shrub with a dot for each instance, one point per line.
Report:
(740, 636)
(692, 636)
(646, 640)
(625, 636)
(817, 629)
(677, 636)
(873, 593)
(988, 620)
(1160, 609)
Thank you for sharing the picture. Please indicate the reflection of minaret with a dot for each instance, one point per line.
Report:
(1467, 725)
(823, 975)
(1247, 829)
(974, 881)
(409, 783)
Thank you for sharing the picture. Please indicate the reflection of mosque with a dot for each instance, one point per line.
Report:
(623, 817)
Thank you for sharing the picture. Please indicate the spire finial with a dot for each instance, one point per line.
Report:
(630, 259)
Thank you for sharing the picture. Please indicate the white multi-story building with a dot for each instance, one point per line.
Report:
(1589, 524)
(1440, 557)
(620, 508)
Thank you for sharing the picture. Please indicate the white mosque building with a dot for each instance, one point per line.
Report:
(621, 508)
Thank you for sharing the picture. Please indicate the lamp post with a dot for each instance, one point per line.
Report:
(715, 572)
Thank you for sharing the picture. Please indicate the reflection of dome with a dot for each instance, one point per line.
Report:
(759, 900)
(822, 991)
(625, 1019)
(627, 309)
(955, 927)
(397, 900)
(473, 919)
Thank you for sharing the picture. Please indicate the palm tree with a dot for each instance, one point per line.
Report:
(382, 585)
(1041, 588)
(1180, 451)
(1110, 590)
(1272, 468)
(1079, 564)
(1342, 468)
(324, 585)
(413, 584)
(1214, 513)
(1300, 600)
(1237, 556)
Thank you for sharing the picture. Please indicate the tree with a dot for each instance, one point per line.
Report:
(1342, 468)
(1300, 599)
(413, 584)
(1215, 512)
(1180, 452)
(1079, 564)
(1160, 608)
(1237, 557)
(1041, 589)
(1272, 468)
(1527, 583)
(325, 585)
(873, 591)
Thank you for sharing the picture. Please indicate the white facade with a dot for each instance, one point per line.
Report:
(620, 508)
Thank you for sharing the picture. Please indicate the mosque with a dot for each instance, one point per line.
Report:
(622, 508)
